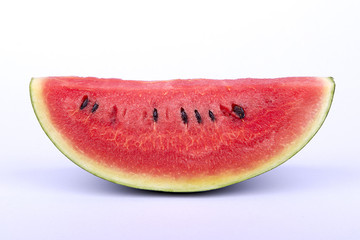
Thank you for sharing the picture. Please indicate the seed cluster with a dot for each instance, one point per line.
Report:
(85, 102)
(236, 109)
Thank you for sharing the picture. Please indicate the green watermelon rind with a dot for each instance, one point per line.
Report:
(315, 129)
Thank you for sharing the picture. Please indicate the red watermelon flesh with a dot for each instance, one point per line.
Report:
(180, 135)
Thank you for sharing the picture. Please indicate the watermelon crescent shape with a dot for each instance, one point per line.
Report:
(180, 135)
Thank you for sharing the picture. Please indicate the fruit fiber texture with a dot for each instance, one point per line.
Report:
(180, 135)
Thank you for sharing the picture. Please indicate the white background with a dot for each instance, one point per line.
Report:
(315, 195)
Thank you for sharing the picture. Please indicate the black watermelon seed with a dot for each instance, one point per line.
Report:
(211, 115)
(155, 115)
(95, 107)
(84, 102)
(184, 116)
(198, 116)
(239, 111)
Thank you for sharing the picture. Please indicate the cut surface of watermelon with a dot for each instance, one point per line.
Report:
(180, 135)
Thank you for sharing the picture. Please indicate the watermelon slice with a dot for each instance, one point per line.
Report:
(180, 135)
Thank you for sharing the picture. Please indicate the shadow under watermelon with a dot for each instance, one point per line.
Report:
(287, 178)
